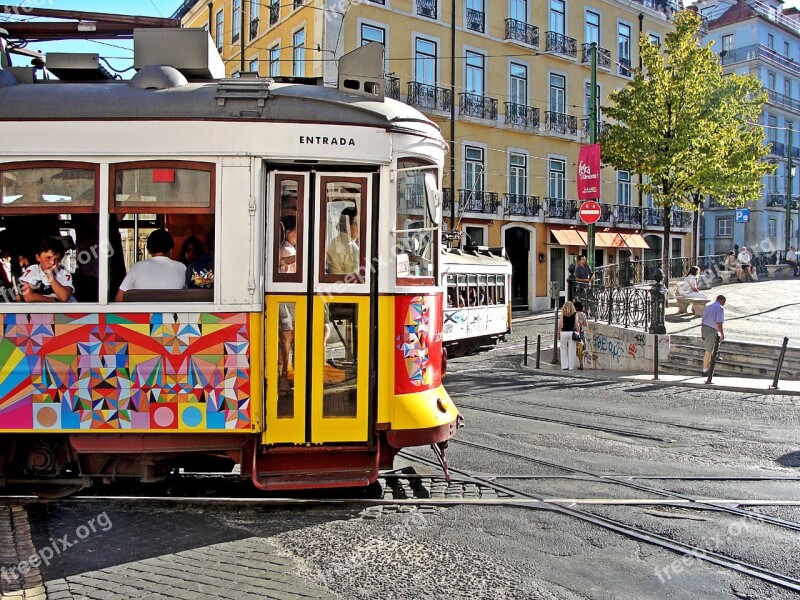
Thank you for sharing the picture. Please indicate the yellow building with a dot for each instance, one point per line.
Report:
(516, 76)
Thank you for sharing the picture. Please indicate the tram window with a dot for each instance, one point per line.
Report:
(344, 230)
(287, 251)
(181, 186)
(452, 293)
(340, 389)
(482, 290)
(462, 291)
(501, 290)
(472, 284)
(416, 234)
(491, 289)
(286, 374)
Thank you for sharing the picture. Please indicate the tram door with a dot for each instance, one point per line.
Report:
(318, 309)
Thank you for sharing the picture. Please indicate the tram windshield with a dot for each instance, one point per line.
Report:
(416, 229)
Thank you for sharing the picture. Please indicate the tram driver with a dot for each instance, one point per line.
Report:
(342, 256)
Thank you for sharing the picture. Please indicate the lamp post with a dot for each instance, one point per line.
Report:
(592, 140)
(789, 174)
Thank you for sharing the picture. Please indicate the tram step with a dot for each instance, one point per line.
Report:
(318, 467)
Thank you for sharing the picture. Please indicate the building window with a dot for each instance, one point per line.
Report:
(425, 61)
(299, 53)
(255, 5)
(556, 178)
(518, 173)
(275, 61)
(237, 20)
(475, 16)
(771, 41)
(254, 65)
(772, 227)
(558, 93)
(219, 29)
(727, 43)
(474, 172)
(786, 50)
(475, 235)
(518, 10)
(557, 16)
(771, 80)
(655, 40)
(724, 228)
(623, 188)
(519, 83)
(772, 129)
(624, 49)
(475, 73)
(787, 88)
(591, 31)
(371, 33)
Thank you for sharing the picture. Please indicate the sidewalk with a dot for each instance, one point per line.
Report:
(731, 384)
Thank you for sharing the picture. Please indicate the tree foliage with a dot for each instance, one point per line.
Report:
(686, 127)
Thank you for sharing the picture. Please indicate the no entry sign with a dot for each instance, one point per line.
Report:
(590, 212)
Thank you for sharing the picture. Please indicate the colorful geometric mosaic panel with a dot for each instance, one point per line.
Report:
(125, 372)
(418, 345)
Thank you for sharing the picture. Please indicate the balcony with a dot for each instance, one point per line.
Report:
(253, 28)
(782, 99)
(274, 13)
(775, 15)
(519, 31)
(625, 67)
(682, 219)
(606, 213)
(602, 127)
(653, 217)
(560, 123)
(561, 44)
(519, 115)
(521, 205)
(426, 8)
(758, 52)
(481, 107)
(412, 196)
(560, 208)
(603, 56)
(779, 201)
(629, 215)
(476, 20)
(477, 202)
(666, 6)
(430, 97)
(392, 87)
(447, 200)
(777, 148)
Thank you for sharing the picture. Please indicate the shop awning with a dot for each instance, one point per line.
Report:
(634, 241)
(602, 239)
(569, 237)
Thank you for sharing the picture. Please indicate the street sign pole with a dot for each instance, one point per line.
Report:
(592, 140)
(789, 195)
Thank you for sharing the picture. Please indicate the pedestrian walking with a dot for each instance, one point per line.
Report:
(568, 337)
(713, 318)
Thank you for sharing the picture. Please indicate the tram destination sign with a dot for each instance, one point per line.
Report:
(589, 212)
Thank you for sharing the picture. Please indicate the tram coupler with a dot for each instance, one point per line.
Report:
(439, 451)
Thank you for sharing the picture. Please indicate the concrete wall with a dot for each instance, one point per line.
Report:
(618, 349)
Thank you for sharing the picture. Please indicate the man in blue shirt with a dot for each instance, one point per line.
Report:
(583, 273)
(713, 318)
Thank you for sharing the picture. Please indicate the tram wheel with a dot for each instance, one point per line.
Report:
(53, 491)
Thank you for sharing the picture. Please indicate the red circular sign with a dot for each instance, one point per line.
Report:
(589, 212)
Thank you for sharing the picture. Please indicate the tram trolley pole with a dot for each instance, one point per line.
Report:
(779, 366)
(655, 357)
(525, 360)
(713, 364)
(538, 350)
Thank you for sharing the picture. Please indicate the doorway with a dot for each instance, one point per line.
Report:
(518, 248)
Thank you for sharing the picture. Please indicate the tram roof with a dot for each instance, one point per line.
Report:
(228, 99)
(485, 257)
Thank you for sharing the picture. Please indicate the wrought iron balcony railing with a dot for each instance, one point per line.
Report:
(625, 66)
(274, 13)
(560, 208)
(758, 52)
(781, 99)
(682, 219)
(561, 44)
(521, 205)
(777, 148)
(629, 215)
(476, 20)
(602, 127)
(476, 201)
(523, 116)
(606, 213)
(423, 95)
(603, 56)
(519, 31)
(426, 8)
(779, 201)
(561, 123)
(392, 87)
(447, 200)
(413, 196)
(253, 28)
(653, 217)
(474, 105)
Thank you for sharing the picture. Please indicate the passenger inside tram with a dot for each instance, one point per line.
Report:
(191, 250)
(200, 273)
(342, 255)
(48, 280)
(159, 272)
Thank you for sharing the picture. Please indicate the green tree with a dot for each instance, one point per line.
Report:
(687, 128)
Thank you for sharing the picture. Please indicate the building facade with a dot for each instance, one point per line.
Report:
(509, 84)
(762, 39)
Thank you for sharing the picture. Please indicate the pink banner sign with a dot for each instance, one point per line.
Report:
(589, 172)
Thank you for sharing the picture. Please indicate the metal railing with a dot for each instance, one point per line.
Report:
(777, 148)
(626, 306)
(758, 51)
(253, 28)
(392, 87)
(606, 213)
(521, 115)
(561, 123)
(476, 20)
(666, 6)
(781, 99)
(603, 56)
(775, 15)
(412, 196)
(428, 96)
(274, 13)
(447, 200)
(560, 208)
(521, 205)
(474, 105)
(519, 31)
(624, 66)
(477, 201)
(602, 127)
(426, 8)
(561, 44)
(629, 214)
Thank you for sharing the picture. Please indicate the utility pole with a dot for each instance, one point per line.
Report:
(789, 195)
(592, 140)
(453, 119)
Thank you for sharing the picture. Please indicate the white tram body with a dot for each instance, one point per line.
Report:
(477, 308)
(99, 389)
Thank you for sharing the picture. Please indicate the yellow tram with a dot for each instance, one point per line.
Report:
(312, 355)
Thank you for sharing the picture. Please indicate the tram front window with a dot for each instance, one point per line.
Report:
(416, 230)
(344, 253)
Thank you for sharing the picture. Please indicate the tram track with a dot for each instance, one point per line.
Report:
(632, 531)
